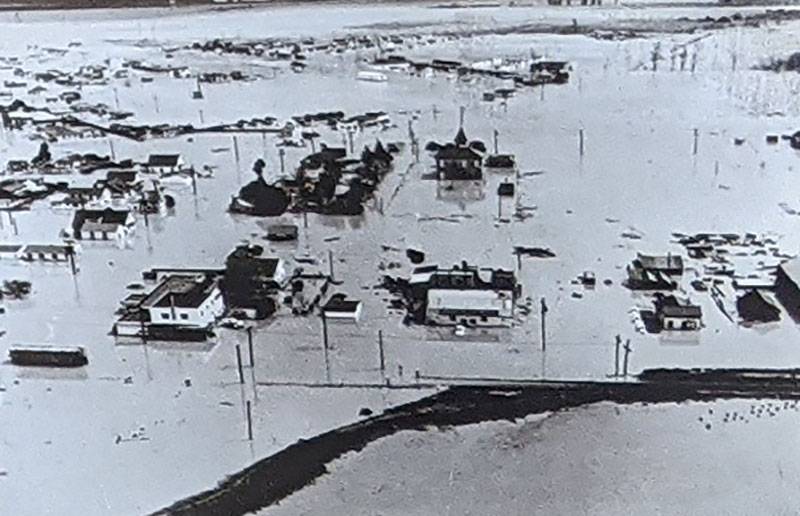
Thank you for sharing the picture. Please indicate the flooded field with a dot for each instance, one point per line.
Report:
(610, 164)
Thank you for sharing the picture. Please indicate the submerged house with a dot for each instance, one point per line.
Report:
(164, 163)
(251, 279)
(674, 315)
(182, 306)
(461, 296)
(458, 161)
(185, 300)
(648, 272)
(104, 224)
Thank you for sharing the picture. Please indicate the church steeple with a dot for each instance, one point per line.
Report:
(461, 138)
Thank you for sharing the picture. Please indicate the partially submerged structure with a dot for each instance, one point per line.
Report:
(458, 161)
(107, 224)
(182, 306)
(675, 315)
(461, 295)
(648, 272)
(251, 281)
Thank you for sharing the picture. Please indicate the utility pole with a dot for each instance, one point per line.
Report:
(200, 112)
(111, 148)
(281, 154)
(544, 329)
(325, 347)
(580, 140)
(250, 345)
(330, 264)
(694, 147)
(249, 422)
(495, 134)
(381, 354)
(236, 148)
(239, 363)
(628, 350)
(616, 356)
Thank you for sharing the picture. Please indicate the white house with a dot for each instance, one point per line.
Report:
(164, 163)
(470, 307)
(47, 252)
(185, 300)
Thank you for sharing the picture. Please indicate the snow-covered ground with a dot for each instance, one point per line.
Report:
(75, 433)
(601, 459)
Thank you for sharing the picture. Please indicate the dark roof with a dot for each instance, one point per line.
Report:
(336, 304)
(163, 160)
(451, 152)
(461, 137)
(106, 216)
(686, 311)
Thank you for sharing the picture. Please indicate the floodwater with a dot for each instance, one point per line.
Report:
(129, 434)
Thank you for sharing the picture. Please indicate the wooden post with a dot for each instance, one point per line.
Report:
(194, 181)
(71, 256)
(250, 345)
(350, 140)
(239, 363)
(696, 136)
(200, 112)
(111, 148)
(627, 349)
(249, 422)
(330, 264)
(616, 356)
(324, 331)
(495, 134)
(544, 329)
(305, 218)
(325, 348)
(281, 154)
(580, 140)
(499, 206)
(380, 352)
(155, 101)
(236, 148)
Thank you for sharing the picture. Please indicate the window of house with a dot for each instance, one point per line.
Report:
(165, 316)
(184, 316)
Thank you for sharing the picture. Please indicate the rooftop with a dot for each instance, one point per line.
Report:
(182, 291)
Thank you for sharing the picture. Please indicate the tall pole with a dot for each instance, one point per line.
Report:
(325, 347)
(544, 330)
(239, 363)
(330, 264)
(281, 154)
(250, 345)
(236, 148)
(580, 139)
(111, 148)
(627, 349)
(616, 356)
(696, 136)
(249, 422)
(495, 134)
(381, 355)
